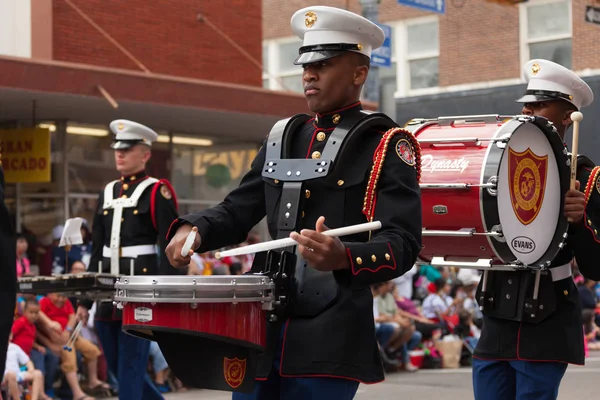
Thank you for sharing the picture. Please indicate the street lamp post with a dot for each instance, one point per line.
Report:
(370, 10)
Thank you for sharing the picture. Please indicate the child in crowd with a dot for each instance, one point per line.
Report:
(59, 309)
(13, 375)
(23, 264)
(24, 335)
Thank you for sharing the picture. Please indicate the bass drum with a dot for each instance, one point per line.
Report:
(492, 190)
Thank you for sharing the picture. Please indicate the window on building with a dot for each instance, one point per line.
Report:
(265, 64)
(546, 31)
(415, 57)
(280, 73)
(422, 54)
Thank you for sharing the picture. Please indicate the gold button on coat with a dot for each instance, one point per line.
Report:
(387, 256)
(125, 186)
(321, 136)
(373, 258)
(307, 194)
(358, 260)
(135, 212)
(316, 154)
(340, 182)
(105, 212)
(124, 196)
(144, 270)
(336, 119)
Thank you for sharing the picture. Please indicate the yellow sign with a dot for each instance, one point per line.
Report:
(238, 161)
(25, 155)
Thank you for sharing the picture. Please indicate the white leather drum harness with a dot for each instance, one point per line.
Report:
(114, 252)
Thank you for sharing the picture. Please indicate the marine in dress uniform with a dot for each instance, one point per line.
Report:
(8, 272)
(348, 166)
(524, 355)
(133, 216)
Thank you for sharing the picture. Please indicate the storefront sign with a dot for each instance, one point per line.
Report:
(25, 155)
(237, 161)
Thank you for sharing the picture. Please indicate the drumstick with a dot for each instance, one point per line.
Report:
(576, 117)
(286, 242)
(187, 246)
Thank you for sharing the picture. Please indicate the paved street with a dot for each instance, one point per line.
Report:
(579, 383)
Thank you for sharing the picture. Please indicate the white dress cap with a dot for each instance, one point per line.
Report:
(328, 31)
(129, 133)
(547, 81)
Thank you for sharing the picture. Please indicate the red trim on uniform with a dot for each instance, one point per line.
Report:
(153, 198)
(589, 228)
(260, 379)
(310, 375)
(171, 227)
(124, 181)
(591, 183)
(311, 143)
(355, 272)
(519, 358)
(340, 110)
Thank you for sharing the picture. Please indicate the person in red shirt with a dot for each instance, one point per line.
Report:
(57, 308)
(23, 328)
(24, 333)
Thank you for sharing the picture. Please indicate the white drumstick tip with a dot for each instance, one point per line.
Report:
(576, 116)
(187, 246)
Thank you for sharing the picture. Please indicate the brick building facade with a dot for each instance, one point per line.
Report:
(167, 37)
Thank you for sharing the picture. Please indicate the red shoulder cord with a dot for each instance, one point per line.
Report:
(378, 158)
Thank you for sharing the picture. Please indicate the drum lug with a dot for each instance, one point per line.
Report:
(500, 237)
(493, 191)
(501, 142)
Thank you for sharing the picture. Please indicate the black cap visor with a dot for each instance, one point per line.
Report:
(536, 96)
(125, 144)
(316, 56)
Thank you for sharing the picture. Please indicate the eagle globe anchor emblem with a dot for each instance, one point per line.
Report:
(527, 173)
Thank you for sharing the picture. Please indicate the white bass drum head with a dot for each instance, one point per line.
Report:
(529, 194)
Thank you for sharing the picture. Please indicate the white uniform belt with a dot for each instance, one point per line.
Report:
(561, 272)
(131, 251)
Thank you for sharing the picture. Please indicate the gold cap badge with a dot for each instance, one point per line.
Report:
(120, 127)
(535, 68)
(310, 19)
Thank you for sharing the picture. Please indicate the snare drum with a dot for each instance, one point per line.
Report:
(210, 328)
(88, 285)
(492, 190)
(231, 307)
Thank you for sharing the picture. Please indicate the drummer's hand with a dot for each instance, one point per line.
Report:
(326, 253)
(173, 249)
(574, 204)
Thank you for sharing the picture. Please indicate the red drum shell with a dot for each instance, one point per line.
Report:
(244, 322)
(450, 165)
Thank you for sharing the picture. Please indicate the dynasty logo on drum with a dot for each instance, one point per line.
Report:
(234, 371)
(527, 181)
